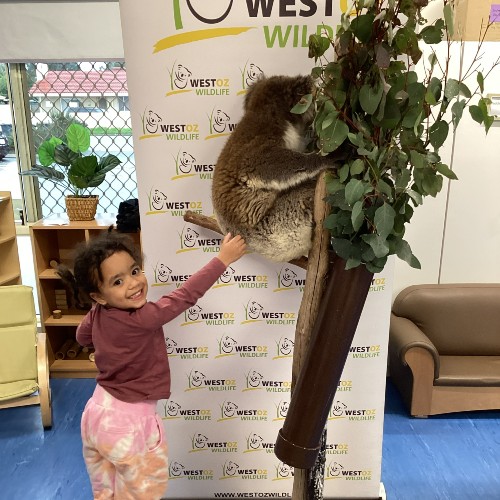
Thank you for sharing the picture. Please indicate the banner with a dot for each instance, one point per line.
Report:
(189, 64)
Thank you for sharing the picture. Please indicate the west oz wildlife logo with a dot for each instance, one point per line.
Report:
(344, 386)
(177, 470)
(182, 80)
(219, 124)
(378, 284)
(189, 352)
(255, 312)
(196, 314)
(255, 442)
(200, 442)
(283, 471)
(256, 381)
(288, 280)
(229, 410)
(284, 348)
(155, 125)
(249, 74)
(340, 410)
(186, 165)
(159, 203)
(199, 381)
(190, 240)
(366, 351)
(174, 411)
(335, 470)
(226, 278)
(207, 16)
(231, 470)
(229, 347)
(337, 448)
(161, 273)
(281, 410)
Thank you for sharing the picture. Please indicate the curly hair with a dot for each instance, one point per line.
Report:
(90, 255)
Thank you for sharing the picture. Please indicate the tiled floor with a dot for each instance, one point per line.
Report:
(454, 457)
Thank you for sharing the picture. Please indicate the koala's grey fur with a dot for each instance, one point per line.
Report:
(264, 182)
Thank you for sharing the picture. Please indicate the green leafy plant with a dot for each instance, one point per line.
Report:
(62, 161)
(370, 99)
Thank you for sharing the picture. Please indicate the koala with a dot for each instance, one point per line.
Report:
(264, 181)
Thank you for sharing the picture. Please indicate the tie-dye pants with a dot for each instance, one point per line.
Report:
(124, 448)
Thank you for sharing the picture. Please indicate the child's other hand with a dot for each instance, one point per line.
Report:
(232, 249)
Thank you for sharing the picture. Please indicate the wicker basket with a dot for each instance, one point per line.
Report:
(81, 207)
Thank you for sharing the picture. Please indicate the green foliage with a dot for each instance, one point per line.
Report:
(369, 100)
(62, 161)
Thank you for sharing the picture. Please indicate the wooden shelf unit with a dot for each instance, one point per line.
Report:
(10, 269)
(55, 238)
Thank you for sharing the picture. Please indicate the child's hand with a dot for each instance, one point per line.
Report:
(232, 249)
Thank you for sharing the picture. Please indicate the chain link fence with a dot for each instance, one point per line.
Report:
(94, 95)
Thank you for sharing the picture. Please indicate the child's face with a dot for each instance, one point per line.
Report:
(123, 285)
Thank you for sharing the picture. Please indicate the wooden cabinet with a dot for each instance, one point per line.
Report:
(10, 271)
(54, 240)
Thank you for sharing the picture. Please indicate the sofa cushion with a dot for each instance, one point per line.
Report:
(470, 371)
(459, 319)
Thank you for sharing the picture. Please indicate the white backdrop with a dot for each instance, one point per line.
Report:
(231, 354)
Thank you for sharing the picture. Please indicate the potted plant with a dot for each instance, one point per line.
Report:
(370, 99)
(63, 161)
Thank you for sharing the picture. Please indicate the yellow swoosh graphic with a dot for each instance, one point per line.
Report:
(196, 36)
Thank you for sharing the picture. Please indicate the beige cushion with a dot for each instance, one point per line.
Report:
(17, 389)
(469, 371)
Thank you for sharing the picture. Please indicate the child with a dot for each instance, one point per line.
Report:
(123, 443)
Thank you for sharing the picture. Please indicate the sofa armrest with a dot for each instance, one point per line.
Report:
(405, 335)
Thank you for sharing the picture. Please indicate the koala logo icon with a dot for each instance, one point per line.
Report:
(190, 236)
(253, 74)
(254, 379)
(170, 344)
(225, 277)
(284, 470)
(283, 408)
(186, 162)
(200, 441)
(227, 344)
(163, 273)
(254, 441)
(287, 277)
(197, 378)
(159, 199)
(230, 468)
(285, 346)
(335, 469)
(176, 469)
(220, 121)
(152, 121)
(254, 310)
(229, 409)
(172, 408)
(181, 76)
(193, 313)
(338, 408)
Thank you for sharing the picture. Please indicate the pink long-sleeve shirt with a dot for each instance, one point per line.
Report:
(130, 351)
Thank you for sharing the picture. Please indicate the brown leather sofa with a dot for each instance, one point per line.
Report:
(444, 347)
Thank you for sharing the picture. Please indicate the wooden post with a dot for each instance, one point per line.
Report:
(308, 483)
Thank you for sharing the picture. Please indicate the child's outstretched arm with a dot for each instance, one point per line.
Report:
(232, 249)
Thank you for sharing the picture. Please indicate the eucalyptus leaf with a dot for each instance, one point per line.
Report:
(438, 133)
(370, 98)
(354, 191)
(357, 216)
(377, 243)
(384, 220)
(303, 105)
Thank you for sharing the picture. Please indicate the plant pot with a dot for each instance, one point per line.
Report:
(81, 207)
(299, 441)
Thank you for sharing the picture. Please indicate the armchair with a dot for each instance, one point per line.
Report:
(24, 372)
(444, 347)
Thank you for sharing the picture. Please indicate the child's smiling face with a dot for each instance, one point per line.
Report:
(123, 285)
